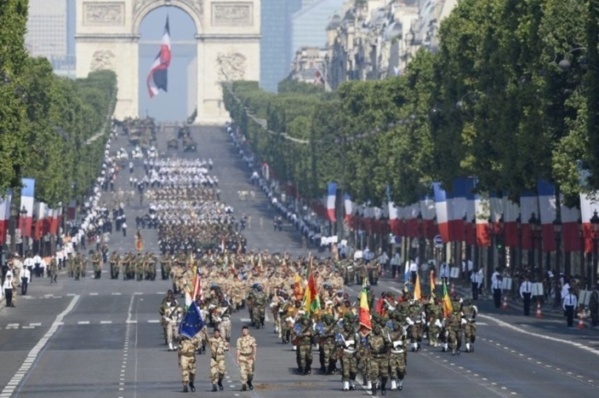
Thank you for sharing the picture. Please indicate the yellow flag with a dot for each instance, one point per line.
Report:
(417, 292)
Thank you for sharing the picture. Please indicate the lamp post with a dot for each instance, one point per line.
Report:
(421, 241)
(595, 226)
(532, 222)
(557, 230)
(584, 267)
(23, 213)
(14, 213)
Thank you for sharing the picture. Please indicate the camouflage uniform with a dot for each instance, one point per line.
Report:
(187, 361)
(217, 360)
(246, 355)
(398, 357)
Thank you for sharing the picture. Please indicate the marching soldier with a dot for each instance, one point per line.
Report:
(303, 342)
(114, 265)
(398, 356)
(347, 343)
(217, 360)
(96, 259)
(187, 361)
(469, 312)
(379, 359)
(246, 356)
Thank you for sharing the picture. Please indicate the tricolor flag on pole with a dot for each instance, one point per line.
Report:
(157, 78)
(331, 199)
(4, 216)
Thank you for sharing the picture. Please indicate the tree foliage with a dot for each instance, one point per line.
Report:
(52, 129)
(510, 97)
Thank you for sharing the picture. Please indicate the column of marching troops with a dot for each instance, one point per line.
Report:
(198, 233)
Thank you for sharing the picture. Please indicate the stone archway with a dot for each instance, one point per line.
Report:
(228, 47)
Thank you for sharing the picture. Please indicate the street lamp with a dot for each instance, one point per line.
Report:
(557, 229)
(420, 237)
(532, 221)
(595, 226)
(582, 256)
(23, 213)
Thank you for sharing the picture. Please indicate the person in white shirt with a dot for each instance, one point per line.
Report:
(28, 263)
(444, 272)
(476, 281)
(383, 260)
(25, 278)
(395, 263)
(37, 262)
(413, 271)
(8, 287)
(570, 302)
(526, 293)
(496, 283)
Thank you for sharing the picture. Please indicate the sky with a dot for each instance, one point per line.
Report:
(172, 105)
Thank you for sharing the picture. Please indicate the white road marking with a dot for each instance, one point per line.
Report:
(35, 324)
(93, 294)
(105, 322)
(116, 293)
(131, 321)
(153, 321)
(541, 336)
(35, 351)
(83, 323)
(245, 320)
(12, 326)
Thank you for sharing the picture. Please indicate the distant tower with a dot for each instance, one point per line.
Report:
(275, 45)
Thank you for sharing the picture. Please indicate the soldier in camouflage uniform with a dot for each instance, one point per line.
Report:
(347, 343)
(435, 322)
(303, 342)
(398, 356)
(96, 259)
(217, 360)
(53, 270)
(379, 359)
(246, 356)
(469, 312)
(187, 361)
(326, 345)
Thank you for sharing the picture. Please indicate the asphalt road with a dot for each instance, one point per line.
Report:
(101, 338)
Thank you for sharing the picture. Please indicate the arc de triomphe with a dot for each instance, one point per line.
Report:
(228, 47)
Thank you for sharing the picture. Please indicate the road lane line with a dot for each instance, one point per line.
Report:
(105, 322)
(550, 338)
(35, 351)
(83, 323)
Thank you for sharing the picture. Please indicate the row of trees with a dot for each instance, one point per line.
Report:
(51, 128)
(510, 97)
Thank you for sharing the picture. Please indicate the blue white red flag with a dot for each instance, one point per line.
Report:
(157, 78)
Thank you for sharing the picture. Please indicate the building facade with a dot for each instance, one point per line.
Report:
(309, 23)
(49, 29)
(376, 39)
(275, 43)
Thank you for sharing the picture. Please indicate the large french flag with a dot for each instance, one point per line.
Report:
(349, 209)
(427, 209)
(589, 205)
(331, 199)
(394, 221)
(4, 216)
(39, 213)
(27, 194)
(157, 78)
(443, 211)
(570, 221)
(411, 214)
(511, 213)
(548, 213)
(529, 205)
(463, 208)
(482, 208)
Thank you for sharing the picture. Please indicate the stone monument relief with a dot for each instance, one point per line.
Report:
(231, 66)
(108, 13)
(102, 60)
(232, 14)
